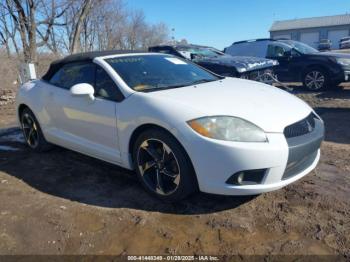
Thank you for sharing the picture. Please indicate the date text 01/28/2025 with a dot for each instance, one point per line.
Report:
(173, 258)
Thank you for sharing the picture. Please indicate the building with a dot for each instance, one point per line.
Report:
(312, 30)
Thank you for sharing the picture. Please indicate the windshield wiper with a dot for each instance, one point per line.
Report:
(162, 88)
(200, 81)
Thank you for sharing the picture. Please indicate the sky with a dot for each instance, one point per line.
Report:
(219, 23)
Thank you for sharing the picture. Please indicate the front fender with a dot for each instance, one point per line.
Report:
(142, 109)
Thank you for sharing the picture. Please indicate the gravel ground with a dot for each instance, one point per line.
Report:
(62, 202)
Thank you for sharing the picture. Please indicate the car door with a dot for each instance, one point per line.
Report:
(281, 53)
(78, 122)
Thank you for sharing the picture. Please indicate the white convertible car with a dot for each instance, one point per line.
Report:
(180, 127)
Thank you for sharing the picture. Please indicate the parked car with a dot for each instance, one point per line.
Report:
(298, 62)
(344, 42)
(258, 69)
(324, 45)
(180, 127)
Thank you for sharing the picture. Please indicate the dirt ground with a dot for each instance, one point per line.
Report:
(62, 202)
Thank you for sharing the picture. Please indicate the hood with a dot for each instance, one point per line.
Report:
(332, 54)
(266, 106)
(242, 63)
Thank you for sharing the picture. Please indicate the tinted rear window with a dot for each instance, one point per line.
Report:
(257, 49)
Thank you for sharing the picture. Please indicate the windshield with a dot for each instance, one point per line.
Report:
(200, 51)
(302, 48)
(157, 72)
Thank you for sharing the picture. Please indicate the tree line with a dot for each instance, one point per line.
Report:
(70, 26)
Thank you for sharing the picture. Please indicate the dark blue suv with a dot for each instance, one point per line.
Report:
(298, 62)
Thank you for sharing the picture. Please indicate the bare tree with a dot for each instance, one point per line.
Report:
(7, 31)
(110, 25)
(136, 26)
(154, 35)
(141, 35)
(111, 20)
(61, 26)
(33, 18)
(4, 40)
(78, 13)
(4, 35)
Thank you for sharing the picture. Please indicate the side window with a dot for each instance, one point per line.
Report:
(294, 53)
(105, 86)
(163, 51)
(167, 50)
(75, 73)
(56, 78)
(275, 51)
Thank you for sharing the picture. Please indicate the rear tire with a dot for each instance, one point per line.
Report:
(32, 132)
(316, 79)
(163, 166)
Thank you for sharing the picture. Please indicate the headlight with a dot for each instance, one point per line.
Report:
(228, 128)
(275, 62)
(343, 61)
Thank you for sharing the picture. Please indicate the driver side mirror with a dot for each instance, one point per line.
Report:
(194, 56)
(83, 89)
(287, 54)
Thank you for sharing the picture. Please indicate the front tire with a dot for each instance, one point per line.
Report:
(163, 166)
(316, 79)
(32, 132)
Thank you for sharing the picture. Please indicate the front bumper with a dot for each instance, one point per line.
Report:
(344, 45)
(342, 74)
(216, 161)
(347, 76)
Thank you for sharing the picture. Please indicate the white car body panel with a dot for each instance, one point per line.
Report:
(103, 129)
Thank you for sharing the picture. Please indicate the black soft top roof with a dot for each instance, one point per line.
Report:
(83, 57)
(178, 46)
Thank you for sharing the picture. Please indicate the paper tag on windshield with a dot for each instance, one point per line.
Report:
(176, 61)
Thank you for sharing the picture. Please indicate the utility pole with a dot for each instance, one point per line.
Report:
(173, 35)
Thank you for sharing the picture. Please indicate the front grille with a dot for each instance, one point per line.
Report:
(255, 75)
(258, 75)
(303, 144)
(263, 75)
(301, 127)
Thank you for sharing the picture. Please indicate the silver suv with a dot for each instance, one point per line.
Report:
(344, 42)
